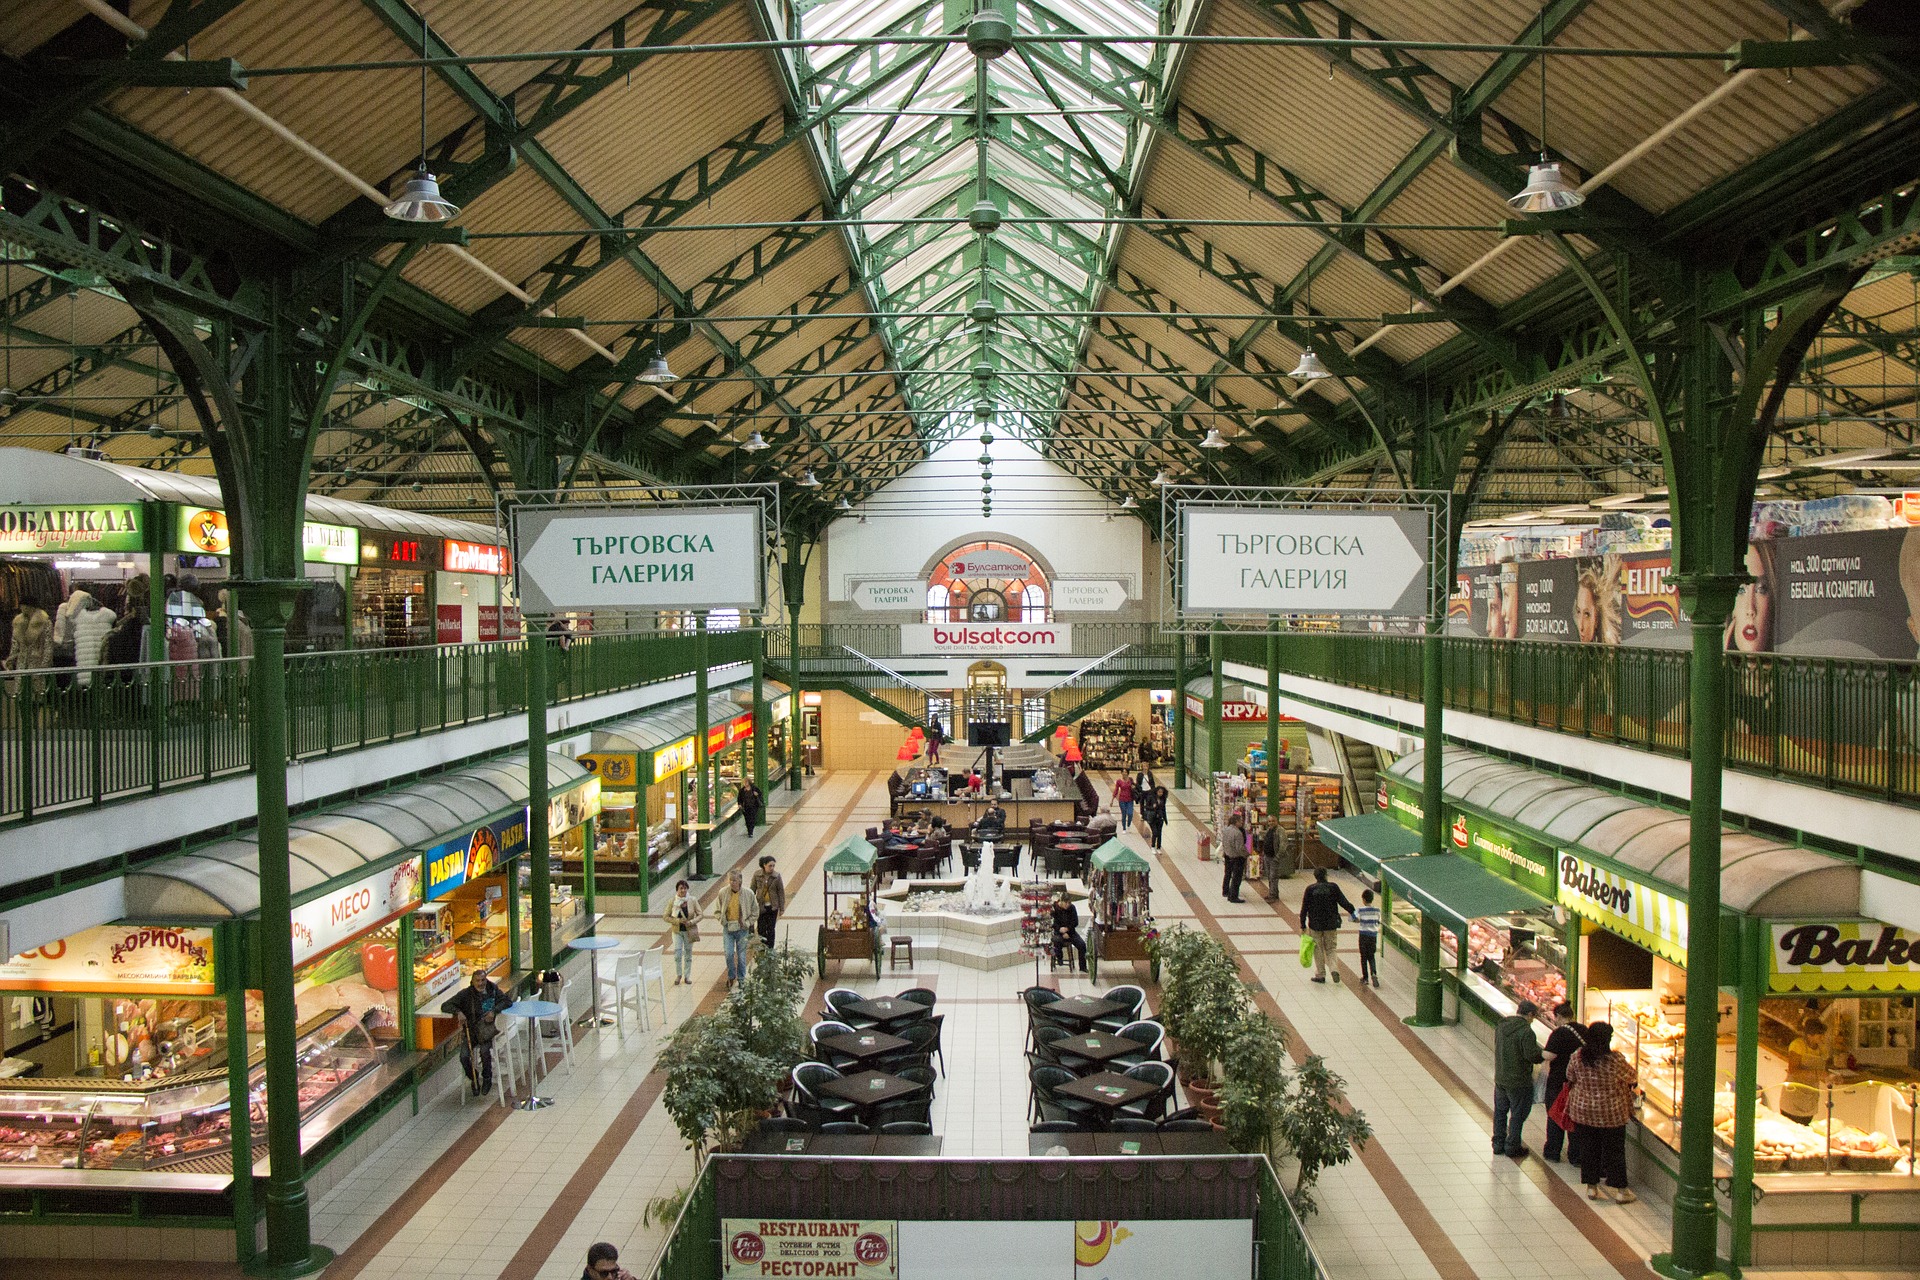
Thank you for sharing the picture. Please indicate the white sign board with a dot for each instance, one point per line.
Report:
(986, 638)
(639, 558)
(876, 594)
(1241, 560)
(988, 564)
(323, 924)
(1090, 595)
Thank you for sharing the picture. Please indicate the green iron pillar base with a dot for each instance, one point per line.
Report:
(1179, 712)
(1427, 989)
(539, 847)
(1709, 602)
(760, 725)
(290, 1248)
(702, 784)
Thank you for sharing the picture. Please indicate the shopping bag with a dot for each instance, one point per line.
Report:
(1306, 951)
(1557, 1111)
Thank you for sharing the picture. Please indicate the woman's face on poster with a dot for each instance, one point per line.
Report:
(1586, 615)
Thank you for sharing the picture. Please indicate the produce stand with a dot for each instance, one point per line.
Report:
(848, 933)
(1117, 890)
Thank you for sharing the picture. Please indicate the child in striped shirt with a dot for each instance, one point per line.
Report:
(1368, 918)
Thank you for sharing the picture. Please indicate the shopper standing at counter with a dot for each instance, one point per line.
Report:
(1515, 1051)
(1562, 1044)
(1601, 1104)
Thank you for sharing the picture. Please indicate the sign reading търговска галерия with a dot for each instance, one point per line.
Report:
(698, 558)
(1254, 560)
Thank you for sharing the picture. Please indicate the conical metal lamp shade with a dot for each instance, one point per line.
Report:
(1546, 192)
(1131, 504)
(1214, 439)
(1162, 480)
(843, 505)
(419, 200)
(656, 374)
(1310, 369)
(809, 480)
(755, 442)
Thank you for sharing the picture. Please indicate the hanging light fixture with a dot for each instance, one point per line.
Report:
(1131, 504)
(755, 442)
(656, 374)
(1214, 439)
(1547, 190)
(418, 198)
(1162, 479)
(843, 505)
(809, 480)
(1310, 369)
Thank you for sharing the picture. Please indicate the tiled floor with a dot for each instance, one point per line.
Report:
(471, 1191)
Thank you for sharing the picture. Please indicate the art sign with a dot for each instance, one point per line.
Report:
(699, 558)
(1843, 955)
(1268, 560)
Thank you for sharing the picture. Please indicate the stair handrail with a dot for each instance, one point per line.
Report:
(889, 672)
(1102, 660)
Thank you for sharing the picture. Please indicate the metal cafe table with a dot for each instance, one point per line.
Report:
(1106, 1089)
(1095, 1047)
(1083, 1011)
(862, 1045)
(886, 1011)
(869, 1089)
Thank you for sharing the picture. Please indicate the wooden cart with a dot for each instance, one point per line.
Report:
(850, 886)
(1117, 893)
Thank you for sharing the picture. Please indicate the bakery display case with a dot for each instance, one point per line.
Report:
(1518, 956)
(436, 966)
(1648, 1031)
(181, 1121)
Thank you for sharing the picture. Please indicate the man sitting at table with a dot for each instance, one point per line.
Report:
(1066, 929)
(992, 824)
(894, 839)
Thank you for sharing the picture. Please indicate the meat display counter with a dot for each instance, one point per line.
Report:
(171, 1126)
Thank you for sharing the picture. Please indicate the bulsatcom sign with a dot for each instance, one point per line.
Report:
(639, 558)
(1264, 560)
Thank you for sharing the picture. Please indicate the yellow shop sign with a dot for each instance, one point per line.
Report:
(671, 760)
(1845, 955)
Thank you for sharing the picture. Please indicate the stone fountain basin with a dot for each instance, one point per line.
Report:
(977, 942)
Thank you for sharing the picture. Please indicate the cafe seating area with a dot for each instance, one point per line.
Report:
(872, 1076)
(1095, 1067)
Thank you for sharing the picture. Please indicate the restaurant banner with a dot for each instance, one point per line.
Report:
(117, 959)
(803, 1247)
(1843, 955)
(1654, 920)
(476, 854)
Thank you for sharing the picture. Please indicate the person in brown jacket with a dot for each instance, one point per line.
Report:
(32, 640)
(770, 891)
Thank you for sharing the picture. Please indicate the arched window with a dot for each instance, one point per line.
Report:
(1033, 603)
(987, 582)
(937, 602)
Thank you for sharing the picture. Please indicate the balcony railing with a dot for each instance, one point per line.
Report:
(70, 738)
(1842, 723)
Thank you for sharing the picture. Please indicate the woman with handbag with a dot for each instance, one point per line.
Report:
(1562, 1043)
(1600, 1102)
(682, 915)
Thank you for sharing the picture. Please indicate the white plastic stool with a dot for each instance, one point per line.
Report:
(553, 1032)
(653, 973)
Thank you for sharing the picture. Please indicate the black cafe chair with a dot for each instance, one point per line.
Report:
(853, 1127)
(907, 1129)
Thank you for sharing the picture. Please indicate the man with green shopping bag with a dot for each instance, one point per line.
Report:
(1320, 908)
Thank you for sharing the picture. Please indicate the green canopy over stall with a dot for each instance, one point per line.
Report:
(1115, 855)
(853, 856)
(1369, 839)
(1454, 890)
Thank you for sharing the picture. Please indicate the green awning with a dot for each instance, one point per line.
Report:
(853, 856)
(1453, 890)
(1369, 839)
(1114, 855)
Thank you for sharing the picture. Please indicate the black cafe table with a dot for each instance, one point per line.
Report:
(1081, 1010)
(869, 1089)
(862, 1045)
(1095, 1047)
(1107, 1089)
(885, 1011)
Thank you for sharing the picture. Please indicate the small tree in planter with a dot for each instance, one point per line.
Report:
(1253, 1093)
(767, 1005)
(1202, 1010)
(1317, 1128)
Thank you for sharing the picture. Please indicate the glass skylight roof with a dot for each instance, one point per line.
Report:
(908, 147)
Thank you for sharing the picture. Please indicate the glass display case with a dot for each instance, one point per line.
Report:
(1648, 1032)
(1510, 958)
(163, 1122)
(436, 967)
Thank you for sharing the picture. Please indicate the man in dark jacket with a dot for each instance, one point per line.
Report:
(1562, 1043)
(1066, 930)
(1515, 1051)
(1320, 908)
(750, 798)
(473, 1008)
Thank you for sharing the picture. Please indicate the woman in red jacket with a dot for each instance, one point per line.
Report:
(1123, 796)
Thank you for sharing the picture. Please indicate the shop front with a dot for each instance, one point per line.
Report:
(202, 544)
(1814, 1043)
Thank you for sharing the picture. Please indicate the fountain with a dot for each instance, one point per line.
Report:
(973, 921)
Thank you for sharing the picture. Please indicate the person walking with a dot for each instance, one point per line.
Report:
(1515, 1051)
(1123, 797)
(739, 913)
(1600, 1106)
(936, 738)
(1562, 1044)
(1153, 810)
(1368, 920)
(1320, 908)
(682, 914)
(771, 893)
(1233, 857)
(751, 800)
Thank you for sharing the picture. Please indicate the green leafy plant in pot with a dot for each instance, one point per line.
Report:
(1253, 1093)
(1317, 1128)
(1201, 999)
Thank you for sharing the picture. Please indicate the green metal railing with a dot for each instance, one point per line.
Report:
(1848, 724)
(692, 1250)
(72, 738)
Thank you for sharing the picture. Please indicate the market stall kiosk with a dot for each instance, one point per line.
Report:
(850, 932)
(1814, 1045)
(1117, 896)
(646, 765)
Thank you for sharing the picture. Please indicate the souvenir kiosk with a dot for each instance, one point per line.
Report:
(849, 932)
(1815, 1056)
(1117, 890)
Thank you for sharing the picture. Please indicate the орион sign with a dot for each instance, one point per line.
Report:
(1241, 560)
(964, 638)
(647, 558)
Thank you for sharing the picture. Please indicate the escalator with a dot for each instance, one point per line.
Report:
(1360, 766)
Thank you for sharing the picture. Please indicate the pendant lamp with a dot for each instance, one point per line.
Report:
(809, 480)
(755, 442)
(1214, 439)
(1547, 191)
(656, 374)
(419, 198)
(1162, 479)
(1310, 369)
(1131, 504)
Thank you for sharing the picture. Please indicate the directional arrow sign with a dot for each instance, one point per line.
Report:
(1240, 560)
(639, 558)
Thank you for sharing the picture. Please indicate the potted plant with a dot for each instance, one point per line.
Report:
(1253, 1090)
(1317, 1128)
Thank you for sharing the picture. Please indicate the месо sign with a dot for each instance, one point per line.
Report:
(640, 558)
(1272, 560)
